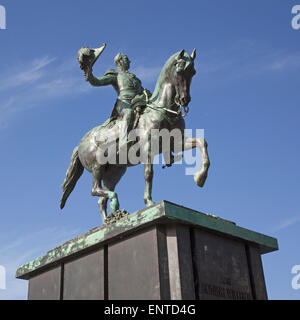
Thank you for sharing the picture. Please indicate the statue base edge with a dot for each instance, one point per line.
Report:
(165, 251)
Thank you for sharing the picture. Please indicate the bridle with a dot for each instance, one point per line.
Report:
(178, 113)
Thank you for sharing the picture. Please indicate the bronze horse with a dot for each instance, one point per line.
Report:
(172, 90)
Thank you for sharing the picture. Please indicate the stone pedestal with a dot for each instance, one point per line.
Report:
(161, 252)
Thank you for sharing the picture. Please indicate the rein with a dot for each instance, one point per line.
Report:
(178, 112)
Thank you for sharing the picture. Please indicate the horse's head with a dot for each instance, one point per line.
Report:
(181, 72)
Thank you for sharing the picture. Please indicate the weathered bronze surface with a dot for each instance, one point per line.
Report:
(136, 109)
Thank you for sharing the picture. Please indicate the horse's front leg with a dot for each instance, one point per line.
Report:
(190, 143)
(148, 173)
(148, 168)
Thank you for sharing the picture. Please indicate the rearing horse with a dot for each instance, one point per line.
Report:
(172, 90)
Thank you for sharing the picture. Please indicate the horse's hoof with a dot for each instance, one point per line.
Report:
(149, 203)
(200, 179)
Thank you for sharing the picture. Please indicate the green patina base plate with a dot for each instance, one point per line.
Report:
(161, 212)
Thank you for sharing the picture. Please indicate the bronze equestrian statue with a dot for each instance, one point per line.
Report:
(103, 149)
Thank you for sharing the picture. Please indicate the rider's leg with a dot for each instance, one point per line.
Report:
(127, 115)
(126, 124)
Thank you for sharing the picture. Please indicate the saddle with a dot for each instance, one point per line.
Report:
(139, 102)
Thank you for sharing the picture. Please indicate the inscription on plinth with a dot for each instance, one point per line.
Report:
(221, 266)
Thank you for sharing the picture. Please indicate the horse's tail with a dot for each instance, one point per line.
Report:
(74, 172)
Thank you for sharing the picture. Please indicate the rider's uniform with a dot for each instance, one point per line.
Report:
(127, 86)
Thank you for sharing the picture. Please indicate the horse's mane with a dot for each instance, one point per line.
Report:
(163, 72)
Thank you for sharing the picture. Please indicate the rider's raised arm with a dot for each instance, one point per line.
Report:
(106, 80)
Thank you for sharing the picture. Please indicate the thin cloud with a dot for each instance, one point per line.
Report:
(285, 61)
(147, 74)
(24, 249)
(62, 86)
(31, 73)
(36, 84)
(245, 58)
(286, 223)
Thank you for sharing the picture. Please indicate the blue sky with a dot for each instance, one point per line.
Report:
(245, 95)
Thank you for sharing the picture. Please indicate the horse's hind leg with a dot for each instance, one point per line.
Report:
(110, 178)
(102, 204)
(98, 191)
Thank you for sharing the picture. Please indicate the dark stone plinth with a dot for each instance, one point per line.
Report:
(161, 252)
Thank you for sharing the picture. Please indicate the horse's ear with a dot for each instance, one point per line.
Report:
(193, 55)
(180, 54)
